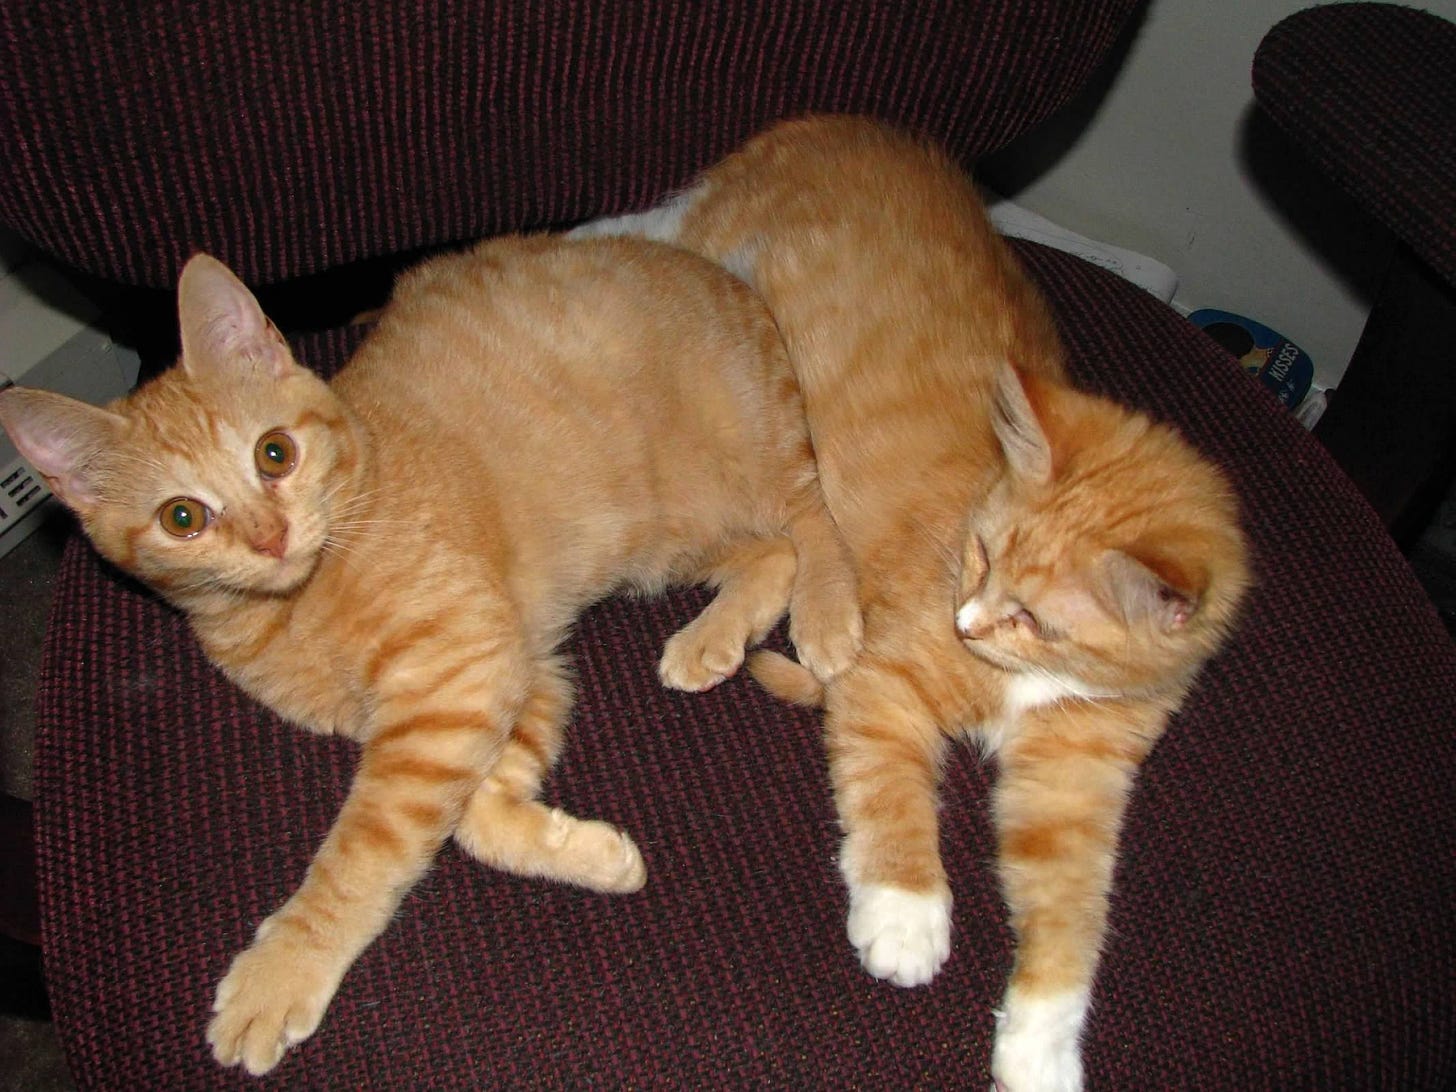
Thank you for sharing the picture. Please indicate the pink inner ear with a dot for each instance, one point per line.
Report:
(221, 321)
(62, 438)
(1177, 607)
(1179, 588)
(1184, 581)
(1137, 589)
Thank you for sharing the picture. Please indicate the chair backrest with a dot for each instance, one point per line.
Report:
(292, 136)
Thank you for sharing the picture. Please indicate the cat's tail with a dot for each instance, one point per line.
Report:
(786, 679)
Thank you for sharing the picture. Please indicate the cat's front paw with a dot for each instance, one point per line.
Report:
(1038, 1042)
(828, 640)
(701, 654)
(273, 996)
(902, 936)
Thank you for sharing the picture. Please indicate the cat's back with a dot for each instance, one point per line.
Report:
(869, 243)
(581, 337)
(620, 395)
(898, 303)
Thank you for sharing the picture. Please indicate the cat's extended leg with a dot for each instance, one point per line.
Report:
(753, 577)
(885, 750)
(506, 827)
(439, 726)
(1059, 803)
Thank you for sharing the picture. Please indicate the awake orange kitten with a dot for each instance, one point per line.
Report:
(395, 556)
(1038, 568)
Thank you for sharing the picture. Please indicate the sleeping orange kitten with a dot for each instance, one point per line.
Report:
(1039, 568)
(395, 556)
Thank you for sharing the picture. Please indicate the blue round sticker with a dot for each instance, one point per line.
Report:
(1279, 364)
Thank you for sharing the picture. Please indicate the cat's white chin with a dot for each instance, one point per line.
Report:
(286, 576)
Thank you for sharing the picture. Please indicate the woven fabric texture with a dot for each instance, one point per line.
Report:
(1281, 912)
(1366, 91)
(1281, 916)
(290, 136)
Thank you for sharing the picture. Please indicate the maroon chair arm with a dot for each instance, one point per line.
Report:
(1365, 92)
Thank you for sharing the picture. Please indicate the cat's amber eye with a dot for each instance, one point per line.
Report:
(275, 455)
(183, 517)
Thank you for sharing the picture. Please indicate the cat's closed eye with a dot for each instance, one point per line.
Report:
(1028, 621)
(980, 559)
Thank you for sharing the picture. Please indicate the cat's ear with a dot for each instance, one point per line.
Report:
(222, 324)
(1141, 586)
(64, 439)
(1014, 418)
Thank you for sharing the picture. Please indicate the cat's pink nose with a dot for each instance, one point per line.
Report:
(272, 542)
(972, 623)
(975, 632)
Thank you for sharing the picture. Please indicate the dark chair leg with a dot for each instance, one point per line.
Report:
(23, 990)
(19, 903)
(1391, 424)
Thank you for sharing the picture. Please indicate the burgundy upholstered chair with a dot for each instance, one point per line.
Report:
(1365, 92)
(1282, 908)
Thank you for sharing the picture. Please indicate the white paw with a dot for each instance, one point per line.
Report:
(901, 935)
(1038, 1042)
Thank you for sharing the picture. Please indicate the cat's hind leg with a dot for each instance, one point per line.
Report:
(506, 827)
(754, 577)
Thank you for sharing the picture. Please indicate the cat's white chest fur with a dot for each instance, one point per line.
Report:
(1029, 691)
(1025, 692)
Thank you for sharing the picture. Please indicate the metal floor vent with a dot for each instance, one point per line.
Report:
(21, 489)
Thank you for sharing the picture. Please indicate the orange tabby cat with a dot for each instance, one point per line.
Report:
(395, 557)
(1039, 568)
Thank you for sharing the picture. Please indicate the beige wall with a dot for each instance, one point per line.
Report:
(1167, 157)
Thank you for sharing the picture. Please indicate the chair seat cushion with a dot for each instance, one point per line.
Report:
(1281, 916)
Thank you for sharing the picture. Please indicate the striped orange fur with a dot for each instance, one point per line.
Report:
(1039, 569)
(395, 556)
